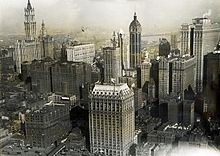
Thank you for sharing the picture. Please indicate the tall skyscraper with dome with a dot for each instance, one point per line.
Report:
(135, 42)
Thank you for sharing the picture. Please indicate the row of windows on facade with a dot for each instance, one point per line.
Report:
(107, 145)
(106, 139)
(113, 106)
(109, 152)
(49, 118)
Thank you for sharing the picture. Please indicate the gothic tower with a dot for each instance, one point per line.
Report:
(43, 31)
(135, 42)
(29, 22)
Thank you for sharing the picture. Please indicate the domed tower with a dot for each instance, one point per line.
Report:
(135, 42)
(29, 23)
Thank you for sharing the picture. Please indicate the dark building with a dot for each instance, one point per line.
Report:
(164, 47)
(212, 81)
(80, 118)
(63, 54)
(163, 111)
(47, 125)
(135, 42)
(171, 107)
(6, 68)
(154, 74)
(67, 78)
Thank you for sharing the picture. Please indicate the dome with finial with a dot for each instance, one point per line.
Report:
(135, 25)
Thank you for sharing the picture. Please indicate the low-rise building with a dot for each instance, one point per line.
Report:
(47, 126)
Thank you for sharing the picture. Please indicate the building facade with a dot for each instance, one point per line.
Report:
(174, 75)
(47, 126)
(81, 53)
(112, 63)
(32, 48)
(145, 71)
(212, 81)
(111, 119)
(29, 23)
(46, 43)
(66, 78)
(184, 39)
(25, 51)
(199, 38)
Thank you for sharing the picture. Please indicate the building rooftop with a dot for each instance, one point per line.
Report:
(120, 89)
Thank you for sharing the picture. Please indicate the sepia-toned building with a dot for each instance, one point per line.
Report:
(32, 48)
(111, 119)
(67, 78)
(174, 74)
(212, 81)
(47, 126)
(112, 63)
(81, 52)
(164, 47)
(135, 42)
(198, 39)
(46, 43)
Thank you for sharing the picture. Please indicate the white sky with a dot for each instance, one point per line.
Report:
(154, 15)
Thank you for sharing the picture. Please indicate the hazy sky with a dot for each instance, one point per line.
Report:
(69, 15)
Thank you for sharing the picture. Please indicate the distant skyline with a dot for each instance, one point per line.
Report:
(70, 15)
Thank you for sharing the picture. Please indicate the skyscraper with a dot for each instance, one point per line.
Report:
(199, 38)
(135, 42)
(184, 39)
(111, 119)
(173, 42)
(28, 49)
(164, 47)
(46, 43)
(212, 81)
(113, 60)
(30, 23)
(173, 75)
(144, 72)
(197, 50)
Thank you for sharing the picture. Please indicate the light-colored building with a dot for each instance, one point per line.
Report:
(173, 42)
(32, 48)
(184, 39)
(26, 51)
(111, 119)
(163, 77)
(145, 71)
(199, 38)
(30, 23)
(81, 53)
(112, 63)
(46, 43)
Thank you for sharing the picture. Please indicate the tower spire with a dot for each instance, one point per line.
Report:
(29, 5)
(30, 23)
(135, 15)
(43, 31)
